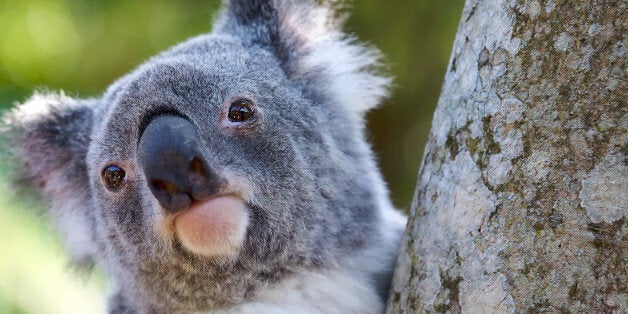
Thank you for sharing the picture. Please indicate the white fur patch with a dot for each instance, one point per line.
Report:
(70, 219)
(338, 291)
(40, 105)
(347, 69)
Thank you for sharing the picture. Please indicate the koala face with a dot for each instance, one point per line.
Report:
(221, 167)
(276, 179)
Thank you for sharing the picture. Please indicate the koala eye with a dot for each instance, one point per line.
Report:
(240, 111)
(113, 176)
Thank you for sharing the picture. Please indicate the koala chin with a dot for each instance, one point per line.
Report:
(229, 173)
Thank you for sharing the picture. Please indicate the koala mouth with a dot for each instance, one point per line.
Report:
(213, 228)
(205, 221)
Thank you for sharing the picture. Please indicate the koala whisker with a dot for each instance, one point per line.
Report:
(104, 240)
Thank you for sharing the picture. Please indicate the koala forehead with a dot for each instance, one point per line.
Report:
(196, 79)
(202, 66)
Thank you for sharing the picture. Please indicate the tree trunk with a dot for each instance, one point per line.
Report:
(522, 196)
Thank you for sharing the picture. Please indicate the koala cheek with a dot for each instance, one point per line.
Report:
(213, 228)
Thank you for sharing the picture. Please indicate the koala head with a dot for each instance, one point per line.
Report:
(220, 167)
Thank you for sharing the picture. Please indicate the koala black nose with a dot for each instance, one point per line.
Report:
(174, 168)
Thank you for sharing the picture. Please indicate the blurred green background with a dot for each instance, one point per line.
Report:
(83, 46)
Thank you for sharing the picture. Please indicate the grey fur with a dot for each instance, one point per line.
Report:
(317, 201)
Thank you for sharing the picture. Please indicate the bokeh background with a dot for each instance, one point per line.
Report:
(83, 46)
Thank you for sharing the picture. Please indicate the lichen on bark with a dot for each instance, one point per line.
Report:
(523, 190)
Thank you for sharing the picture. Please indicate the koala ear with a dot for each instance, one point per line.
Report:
(306, 38)
(49, 136)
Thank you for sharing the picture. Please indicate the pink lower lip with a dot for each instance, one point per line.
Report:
(212, 227)
(205, 202)
(196, 205)
(215, 203)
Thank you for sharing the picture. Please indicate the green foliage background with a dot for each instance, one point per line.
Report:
(83, 46)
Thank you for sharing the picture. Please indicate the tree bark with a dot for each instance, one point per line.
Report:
(522, 195)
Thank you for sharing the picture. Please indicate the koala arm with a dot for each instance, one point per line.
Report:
(49, 136)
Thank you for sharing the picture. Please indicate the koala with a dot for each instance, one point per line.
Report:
(227, 174)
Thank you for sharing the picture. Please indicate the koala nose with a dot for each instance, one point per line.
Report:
(175, 170)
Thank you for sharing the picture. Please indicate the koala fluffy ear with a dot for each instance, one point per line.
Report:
(307, 39)
(49, 136)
